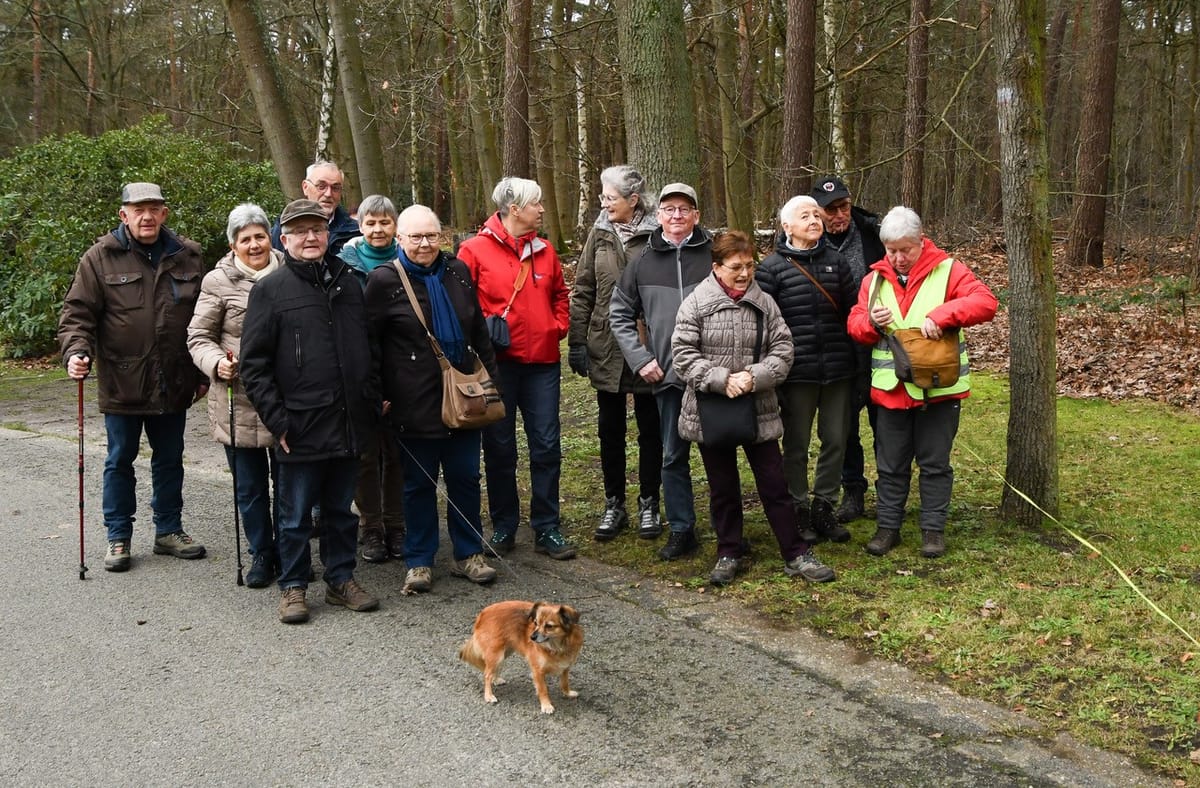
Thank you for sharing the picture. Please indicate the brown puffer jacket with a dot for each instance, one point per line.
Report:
(131, 319)
(714, 337)
(216, 328)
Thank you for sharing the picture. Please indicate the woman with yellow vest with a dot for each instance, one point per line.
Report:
(916, 285)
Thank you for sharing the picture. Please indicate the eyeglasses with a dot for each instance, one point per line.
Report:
(424, 238)
(609, 200)
(322, 186)
(307, 231)
(676, 210)
(738, 270)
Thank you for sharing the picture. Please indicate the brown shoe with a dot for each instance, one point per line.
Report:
(883, 541)
(933, 543)
(350, 595)
(293, 609)
(372, 549)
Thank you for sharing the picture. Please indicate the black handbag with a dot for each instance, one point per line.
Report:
(726, 422)
(497, 325)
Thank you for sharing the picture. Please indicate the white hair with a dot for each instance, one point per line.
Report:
(901, 223)
(416, 212)
(520, 192)
(791, 206)
(320, 164)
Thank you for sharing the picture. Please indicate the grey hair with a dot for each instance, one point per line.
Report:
(245, 215)
(414, 211)
(901, 223)
(626, 180)
(520, 192)
(377, 205)
(789, 208)
(320, 164)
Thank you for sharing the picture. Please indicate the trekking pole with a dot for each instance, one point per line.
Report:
(82, 566)
(237, 516)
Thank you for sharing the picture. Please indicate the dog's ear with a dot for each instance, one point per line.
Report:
(533, 611)
(569, 617)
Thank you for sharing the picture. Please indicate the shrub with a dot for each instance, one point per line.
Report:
(61, 194)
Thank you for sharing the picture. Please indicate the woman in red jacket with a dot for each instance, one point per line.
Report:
(916, 285)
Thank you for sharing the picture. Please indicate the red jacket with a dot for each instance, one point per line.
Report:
(541, 312)
(968, 302)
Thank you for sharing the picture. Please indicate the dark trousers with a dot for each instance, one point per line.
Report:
(854, 467)
(257, 475)
(611, 425)
(725, 497)
(926, 435)
(379, 495)
(458, 459)
(303, 485)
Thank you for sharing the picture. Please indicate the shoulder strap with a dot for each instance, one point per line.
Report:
(813, 279)
(522, 275)
(412, 299)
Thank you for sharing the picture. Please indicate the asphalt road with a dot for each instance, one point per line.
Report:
(170, 674)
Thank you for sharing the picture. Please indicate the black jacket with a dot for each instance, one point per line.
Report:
(412, 377)
(309, 361)
(824, 351)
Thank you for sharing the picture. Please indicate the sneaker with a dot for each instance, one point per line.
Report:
(419, 578)
(726, 569)
(179, 545)
(117, 557)
(933, 543)
(293, 609)
(372, 550)
(394, 540)
(679, 544)
(475, 569)
(503, 543)
(853, 506)
(350, 595)
(649, 524)
(825, 523)
(262, 571)
(807, 565)
(613, 521)
(883, 541)
(554, 544)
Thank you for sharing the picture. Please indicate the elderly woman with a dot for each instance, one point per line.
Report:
(730, 339)
(379, 494)
(519, 278)
(814, 288)
(214, 340)
(412, 383)
(622, 229)
(916, 285)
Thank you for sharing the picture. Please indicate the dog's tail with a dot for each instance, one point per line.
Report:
(469, 653)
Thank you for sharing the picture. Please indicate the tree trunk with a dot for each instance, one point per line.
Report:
(360, 108)
(739, 214)
(912, 177)
(516, 89)
(1058, 35)
(325, 108)
(1032, 462)
(1085, 242)
(837, 127)
(469, 21)
(800, 47)
(660, 118)
(37, 98)
(262, 75)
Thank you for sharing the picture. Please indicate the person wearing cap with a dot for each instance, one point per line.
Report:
(854, 232)
(323, 184)
(128, 308)
(653, 285)
(311, 369)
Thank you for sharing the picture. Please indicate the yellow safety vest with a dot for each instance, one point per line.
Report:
(932, 294)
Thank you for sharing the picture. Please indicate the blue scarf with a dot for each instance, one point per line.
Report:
(444, 320)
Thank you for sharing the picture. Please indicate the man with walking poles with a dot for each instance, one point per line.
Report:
(128, 308)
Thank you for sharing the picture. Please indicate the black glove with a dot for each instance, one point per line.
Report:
(577, 357)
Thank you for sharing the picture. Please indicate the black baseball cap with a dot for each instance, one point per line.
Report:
(829, 189)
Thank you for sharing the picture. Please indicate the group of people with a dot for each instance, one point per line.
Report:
(320, 339)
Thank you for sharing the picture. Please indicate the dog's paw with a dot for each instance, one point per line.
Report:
(547, 708)
(490, 699)
(573, 694)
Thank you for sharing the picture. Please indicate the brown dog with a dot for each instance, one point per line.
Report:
(547, 636)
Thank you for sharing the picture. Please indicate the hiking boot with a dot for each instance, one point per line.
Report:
(823, 521)
(552, 543)
(262, 571)
(419, 578)
(613, 521)
(394, 540)
(475, 569)
(933, 543)
(503, 543)
(117, 557)
(679, 544)
(804, 524)
(853, 506)
(883, 541)
(372, 550)
(726, 569)
(649, 524)
(350, 595)
(807, 565)
(293, 609)
(179, 545)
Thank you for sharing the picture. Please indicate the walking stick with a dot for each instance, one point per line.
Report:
(82, 566)
(237, 516)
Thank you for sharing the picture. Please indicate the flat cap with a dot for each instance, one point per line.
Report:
(140, 191)
(299, 209)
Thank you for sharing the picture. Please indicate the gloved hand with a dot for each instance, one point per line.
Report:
(577, 357)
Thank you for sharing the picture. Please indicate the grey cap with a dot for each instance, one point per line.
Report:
(679, 188)
(299, 209)
(133, 193)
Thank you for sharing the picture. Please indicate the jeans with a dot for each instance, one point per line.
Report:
(301, 486)
(535, 390)
(611, 424)
(725, 497)
(679, 502)
(257, 476)
(926, 435)
(458, 458)
(829, 405)
(165, 434)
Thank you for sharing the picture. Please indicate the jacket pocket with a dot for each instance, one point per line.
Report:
(127, 381)
(185, 286)
(123, 291)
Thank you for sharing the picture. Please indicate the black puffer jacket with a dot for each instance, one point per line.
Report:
(824, 351)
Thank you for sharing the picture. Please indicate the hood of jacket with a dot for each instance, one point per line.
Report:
(524, 247)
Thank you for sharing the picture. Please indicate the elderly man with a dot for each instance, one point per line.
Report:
(323, 183)
(129, 307)
(311, 369)
(677, 257)
(855, 233)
